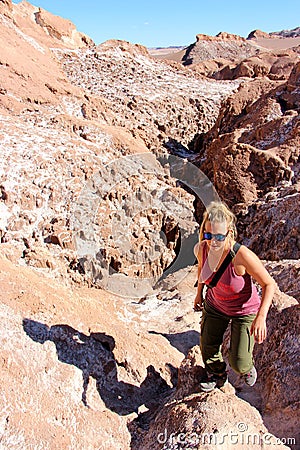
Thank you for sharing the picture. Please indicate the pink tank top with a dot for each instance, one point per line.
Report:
(234, 295)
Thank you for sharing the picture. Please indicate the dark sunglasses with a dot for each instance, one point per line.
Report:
(218, 237)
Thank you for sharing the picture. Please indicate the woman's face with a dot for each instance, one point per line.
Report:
(215, 228)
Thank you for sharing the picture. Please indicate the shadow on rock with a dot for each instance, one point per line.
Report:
(181, 341)
(93, 355)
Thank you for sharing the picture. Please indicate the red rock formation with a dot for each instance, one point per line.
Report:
(227, 57)
(61, 29)
(124, 46)
(222, 36)
(252, 149)
(226, 46)
(291, 94)
(258, 34)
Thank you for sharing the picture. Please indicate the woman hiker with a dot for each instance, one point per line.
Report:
(234, 298)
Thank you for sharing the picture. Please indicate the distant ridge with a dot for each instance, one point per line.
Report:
(255, 34)
(287, 33)
(171, 47)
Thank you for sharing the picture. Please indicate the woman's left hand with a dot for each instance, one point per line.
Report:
(259, 329)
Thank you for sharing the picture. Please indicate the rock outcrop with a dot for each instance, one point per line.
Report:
(252, 155)
(223, 46)
(278, 214)
(276, 66)
(258, 34)
(228, 57)
(279, 395)
(36, 78)
(220, 37)
(61, 29)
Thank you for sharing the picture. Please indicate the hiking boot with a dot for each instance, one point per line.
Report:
(213, 381)
(250, 377)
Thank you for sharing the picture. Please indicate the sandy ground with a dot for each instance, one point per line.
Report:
(174, 54)
(278, 43)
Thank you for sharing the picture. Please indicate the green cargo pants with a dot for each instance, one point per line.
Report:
(213, 327)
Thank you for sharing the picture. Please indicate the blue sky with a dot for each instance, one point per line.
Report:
(163, 23)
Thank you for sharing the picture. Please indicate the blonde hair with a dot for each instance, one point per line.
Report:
(219, 212)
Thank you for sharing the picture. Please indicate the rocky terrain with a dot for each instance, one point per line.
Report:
(108, 157)
(228, 57)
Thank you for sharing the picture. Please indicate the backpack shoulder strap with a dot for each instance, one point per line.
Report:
(236, 248)
(224, 264)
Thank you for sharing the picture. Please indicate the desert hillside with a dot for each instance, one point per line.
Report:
(109, 155)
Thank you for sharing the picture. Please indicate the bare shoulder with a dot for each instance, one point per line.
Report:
(246, 256)
(198, 247)
(246, 259)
